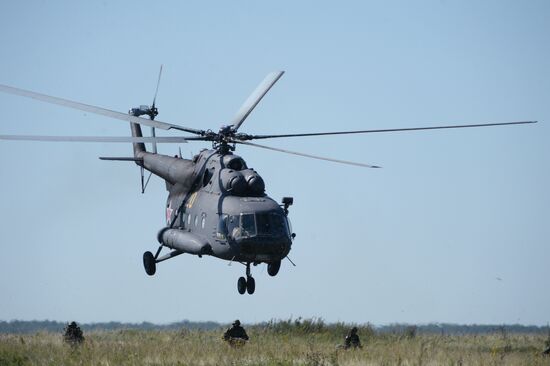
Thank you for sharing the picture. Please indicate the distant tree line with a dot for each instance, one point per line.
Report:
(34, 326)
(290, 325)
(318, 325)
(460, 329)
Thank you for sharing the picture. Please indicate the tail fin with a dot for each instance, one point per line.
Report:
(139, 147)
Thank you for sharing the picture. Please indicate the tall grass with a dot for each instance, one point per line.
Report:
(281, 343)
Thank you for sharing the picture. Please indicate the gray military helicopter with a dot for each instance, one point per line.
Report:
(216, 204)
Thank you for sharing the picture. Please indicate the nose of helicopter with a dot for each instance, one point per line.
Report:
(264, 249)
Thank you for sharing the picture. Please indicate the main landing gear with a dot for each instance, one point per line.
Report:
(150, 261)
(247, 284)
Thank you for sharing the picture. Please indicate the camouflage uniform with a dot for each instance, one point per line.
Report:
(352, 339)
(73, 334)
(236, 333)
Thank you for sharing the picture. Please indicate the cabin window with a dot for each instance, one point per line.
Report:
(196, 220)
(183, 219)
(203, 220)
(188, 220)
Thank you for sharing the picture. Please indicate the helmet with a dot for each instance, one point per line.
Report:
(236, 323)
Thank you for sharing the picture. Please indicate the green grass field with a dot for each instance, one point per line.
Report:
(272, 346)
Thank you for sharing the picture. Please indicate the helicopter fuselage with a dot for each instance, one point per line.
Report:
(217, 206)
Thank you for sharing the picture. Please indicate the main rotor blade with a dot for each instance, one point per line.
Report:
(197, 138)
(94, 109)
(254, 137)
(92, 138)
(255, 98)
(308, 155)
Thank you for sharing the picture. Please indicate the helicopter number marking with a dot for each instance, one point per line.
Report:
(192, 200)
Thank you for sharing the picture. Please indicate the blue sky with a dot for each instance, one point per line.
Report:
(454, 228)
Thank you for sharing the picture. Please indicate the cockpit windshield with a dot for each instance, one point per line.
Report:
(270, 224)
(249, 225)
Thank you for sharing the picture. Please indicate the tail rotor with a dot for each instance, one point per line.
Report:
(151, 111)
(154, 111)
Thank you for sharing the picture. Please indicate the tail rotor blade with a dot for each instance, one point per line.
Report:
(157, 90)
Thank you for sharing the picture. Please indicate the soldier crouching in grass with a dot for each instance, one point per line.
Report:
(351, 340)
(546, 351)
(236, 335)
(73, 334)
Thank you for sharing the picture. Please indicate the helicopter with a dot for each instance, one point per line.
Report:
(216, 204)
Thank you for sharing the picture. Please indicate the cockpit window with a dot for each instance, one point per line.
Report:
(270, 224)
(289, 225)
(249, 225)
(232, 224)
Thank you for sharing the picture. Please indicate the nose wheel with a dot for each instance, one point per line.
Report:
(247, 284)
(273, 268)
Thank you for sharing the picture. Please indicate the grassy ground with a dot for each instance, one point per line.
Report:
(270, 346)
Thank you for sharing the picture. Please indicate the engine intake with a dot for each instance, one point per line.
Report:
(233, 181)
(255, 183)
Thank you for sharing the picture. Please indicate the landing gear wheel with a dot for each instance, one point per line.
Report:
(250, 285)
(241, 285)
(273, 268)
(149, 263)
